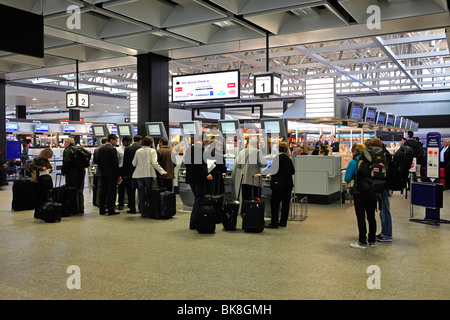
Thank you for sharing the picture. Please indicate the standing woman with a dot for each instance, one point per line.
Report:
(41, 168)
(145, 162)
(281, 185)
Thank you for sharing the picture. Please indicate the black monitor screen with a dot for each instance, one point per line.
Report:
(370, 115)
(355, 111)
(381, 116)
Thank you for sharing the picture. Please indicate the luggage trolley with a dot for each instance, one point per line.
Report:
(299, 209)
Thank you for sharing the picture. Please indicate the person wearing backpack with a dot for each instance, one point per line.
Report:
(365, 203)
(75, 161)
(385, 212)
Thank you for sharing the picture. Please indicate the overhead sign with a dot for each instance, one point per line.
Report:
(266, 84)
(77, 99)
(206, 86)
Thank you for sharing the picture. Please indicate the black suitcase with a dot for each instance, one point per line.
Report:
(206, 219)
(253, 215)
(162, 204)
(49, 212)
(67, 196)
(23, 195)
(215, 200)
(229, 215)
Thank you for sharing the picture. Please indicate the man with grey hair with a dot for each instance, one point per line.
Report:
(73, 170)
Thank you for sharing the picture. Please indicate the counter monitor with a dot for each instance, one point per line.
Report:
(370, 114)
(389, 121)
(12, 126)
(69, 128)
(41, 128)
(397, 122)
(355, 110)
(381, 117)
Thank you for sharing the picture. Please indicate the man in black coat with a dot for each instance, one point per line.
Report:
(128, 170)
(196, 176)
(108, 165)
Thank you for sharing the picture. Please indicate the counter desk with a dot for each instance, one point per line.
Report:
(318, 178)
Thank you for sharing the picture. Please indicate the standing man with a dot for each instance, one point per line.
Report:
(97, 176)
(165, 161)
(126, 141)
(108, 165)
(196, 176)
(445, 161)
(127, 171)
(73, 170)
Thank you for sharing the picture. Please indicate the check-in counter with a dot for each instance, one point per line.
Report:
(318, 178)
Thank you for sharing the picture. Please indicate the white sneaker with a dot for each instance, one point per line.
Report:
(358, 245)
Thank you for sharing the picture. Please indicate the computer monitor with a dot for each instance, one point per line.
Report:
(229, 163)
(355, 110)
(380, 118)
(369, 115)
(12, 126)
(190, 128)
(229, 127)
(41, 128)
(275, 127)
(125, 129)
(389, 121)
(100, 130)
(398, 121)
(70, 128)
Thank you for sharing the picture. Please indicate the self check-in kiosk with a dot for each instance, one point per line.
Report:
(125, 129)
(99, 131)
(156, 130)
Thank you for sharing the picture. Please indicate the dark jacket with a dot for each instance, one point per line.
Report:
(417, 149)
(128, 155)
(285, 170)
(68, 164)
(196, 167)
(108, 161)
(38, 163)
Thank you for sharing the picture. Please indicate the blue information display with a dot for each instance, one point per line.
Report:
(13, 150)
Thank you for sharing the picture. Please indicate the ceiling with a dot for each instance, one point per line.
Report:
(407, 51)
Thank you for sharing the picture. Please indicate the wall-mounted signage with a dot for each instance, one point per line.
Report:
(206, 86)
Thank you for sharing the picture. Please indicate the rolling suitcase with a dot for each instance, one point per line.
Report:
(229, 215)
(49, 212)
(23, 195)
(67, 196)
(215, 200)
(162, 204)
(253, 214)
(206, 219)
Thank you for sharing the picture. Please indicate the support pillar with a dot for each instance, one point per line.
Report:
(3, 131)
(153, 90)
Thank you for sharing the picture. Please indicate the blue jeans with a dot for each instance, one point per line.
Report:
(385, 215)
(144, 186)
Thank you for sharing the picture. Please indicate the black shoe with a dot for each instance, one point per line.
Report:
(120, 207)
(131, 211)
(102, 213)
(113, 213)
(270, 226)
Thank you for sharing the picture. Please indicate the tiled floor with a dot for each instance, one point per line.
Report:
(127, 257)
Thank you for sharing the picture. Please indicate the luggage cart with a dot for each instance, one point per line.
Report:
(298, 209)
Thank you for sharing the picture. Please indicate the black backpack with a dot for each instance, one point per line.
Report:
(371, 175)
(399, 169)
(80, 157)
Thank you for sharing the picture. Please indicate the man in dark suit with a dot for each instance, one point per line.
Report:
(108, 165)
(128, 170)
(196, 176)
(445, 161)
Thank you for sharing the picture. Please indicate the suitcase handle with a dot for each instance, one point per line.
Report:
(260, 183)
(60, 179)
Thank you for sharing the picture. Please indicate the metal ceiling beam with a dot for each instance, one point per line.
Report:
(388, 52)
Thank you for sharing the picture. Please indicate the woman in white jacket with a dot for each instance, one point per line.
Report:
(145, 162)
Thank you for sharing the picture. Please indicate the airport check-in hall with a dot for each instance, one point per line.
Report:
(250, 151)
